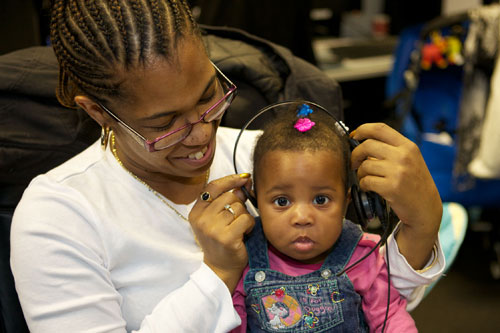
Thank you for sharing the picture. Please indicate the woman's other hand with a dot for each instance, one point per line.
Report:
(392, 166)
(218, 231)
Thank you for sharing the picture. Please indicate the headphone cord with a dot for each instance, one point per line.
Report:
(387, 230)
(388, 288)
(382, 240)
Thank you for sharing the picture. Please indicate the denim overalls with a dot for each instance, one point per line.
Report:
(316, 302)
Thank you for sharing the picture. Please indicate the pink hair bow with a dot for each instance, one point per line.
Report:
(304, 124)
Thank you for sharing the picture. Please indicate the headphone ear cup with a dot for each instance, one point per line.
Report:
(358, 206)
(379, 208)
(369, 205)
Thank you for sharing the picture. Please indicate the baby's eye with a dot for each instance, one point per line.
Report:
(321, 200)
(281, 201)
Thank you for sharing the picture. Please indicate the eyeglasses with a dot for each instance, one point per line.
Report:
(215, 112)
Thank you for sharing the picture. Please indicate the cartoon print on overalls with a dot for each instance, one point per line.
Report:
(256, 307)
(313, 289)
(336, 297)
(310, 319)
(281, 309)
(314, 302)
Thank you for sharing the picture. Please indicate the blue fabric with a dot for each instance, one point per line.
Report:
(406, 44)
(435, 108)
(316, 302)
(451, 234)
(452, 230)
(439, 159)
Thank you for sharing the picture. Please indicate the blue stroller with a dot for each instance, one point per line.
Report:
(426, 90)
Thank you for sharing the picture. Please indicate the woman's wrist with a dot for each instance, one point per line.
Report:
(433, 263)
(416, 246)
(230, 278)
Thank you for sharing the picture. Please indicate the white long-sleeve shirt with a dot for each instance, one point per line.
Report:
(93, 250)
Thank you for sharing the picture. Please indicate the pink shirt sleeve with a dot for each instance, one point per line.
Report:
(239, 304)
(370, 280)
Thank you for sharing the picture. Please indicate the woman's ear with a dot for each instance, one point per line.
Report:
(93, 109)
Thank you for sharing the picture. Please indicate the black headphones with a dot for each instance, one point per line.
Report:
(367, 205)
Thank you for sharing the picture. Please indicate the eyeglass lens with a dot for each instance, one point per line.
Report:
(214, 114)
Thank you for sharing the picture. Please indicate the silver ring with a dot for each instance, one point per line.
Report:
(205, 196)
(230, 209)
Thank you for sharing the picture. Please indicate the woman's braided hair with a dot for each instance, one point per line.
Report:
(95, 40)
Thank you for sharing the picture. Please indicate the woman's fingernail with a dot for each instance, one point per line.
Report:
(351, 135)
(244, 175)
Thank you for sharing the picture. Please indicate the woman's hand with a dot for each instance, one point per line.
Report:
(220, 233)
(392, 166)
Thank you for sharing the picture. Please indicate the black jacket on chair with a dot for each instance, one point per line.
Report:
(37, 134)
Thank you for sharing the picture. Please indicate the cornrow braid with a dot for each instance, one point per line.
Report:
(175, 9)
(142, 27)
(159, 27)
(71, 55)
(189, 14)
(116, 12)
(75, 48)
(96, 41)
(97, 21)
(78, 21)
(181, 11)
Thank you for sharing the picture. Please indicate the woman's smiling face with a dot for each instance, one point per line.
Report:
(165, 95)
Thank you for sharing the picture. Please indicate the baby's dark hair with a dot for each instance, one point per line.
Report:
(280, 135)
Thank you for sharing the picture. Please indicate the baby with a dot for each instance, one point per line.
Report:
(302, 241)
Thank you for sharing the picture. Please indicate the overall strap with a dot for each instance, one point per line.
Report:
(344, 247)
(256, 245)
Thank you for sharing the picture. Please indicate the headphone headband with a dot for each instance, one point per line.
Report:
(367, 205)
(275, 106)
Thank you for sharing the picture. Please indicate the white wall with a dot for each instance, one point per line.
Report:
(450, 7)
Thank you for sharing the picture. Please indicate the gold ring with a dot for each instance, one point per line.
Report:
(230, 209)
(205, 196)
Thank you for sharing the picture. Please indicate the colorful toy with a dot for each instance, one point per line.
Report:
(441, 51)
(433, 52)
(454, 51)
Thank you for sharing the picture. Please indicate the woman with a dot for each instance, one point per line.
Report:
(105, 243)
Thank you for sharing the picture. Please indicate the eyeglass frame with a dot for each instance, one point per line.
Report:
(149, 145)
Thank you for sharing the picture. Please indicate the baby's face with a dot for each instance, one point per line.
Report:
(302, 202)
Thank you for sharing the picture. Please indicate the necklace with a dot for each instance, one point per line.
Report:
(158, 195)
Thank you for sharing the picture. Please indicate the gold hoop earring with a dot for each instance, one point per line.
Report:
(104, 137)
